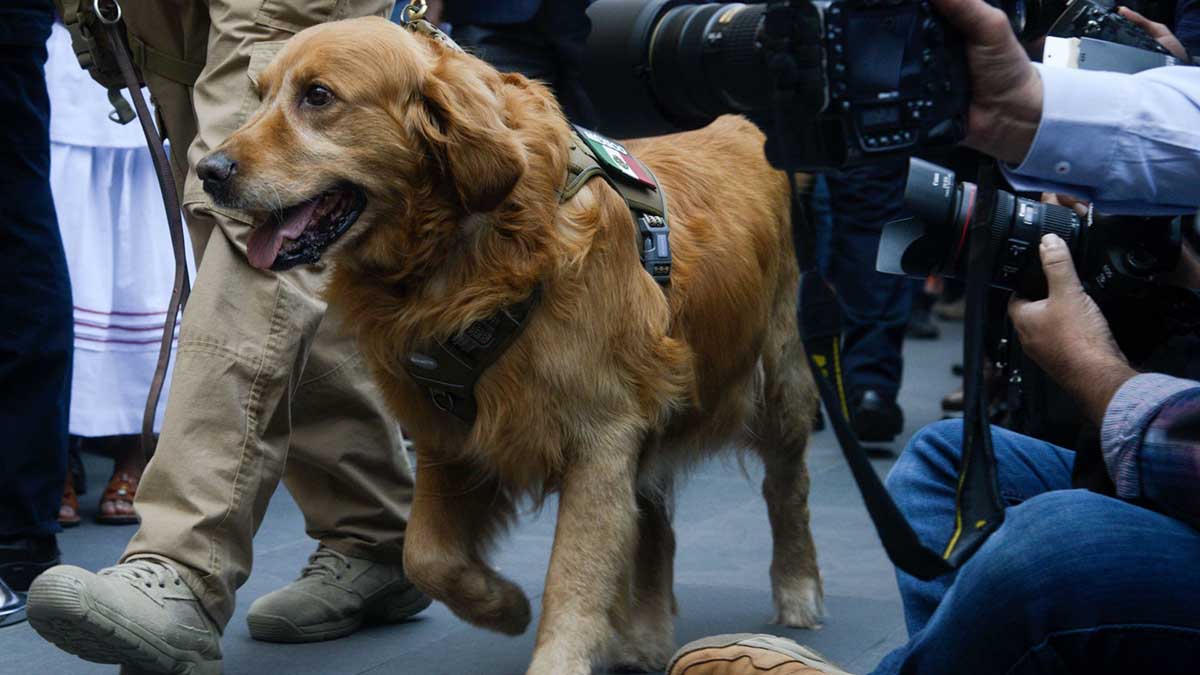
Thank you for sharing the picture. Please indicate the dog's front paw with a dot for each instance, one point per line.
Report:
(490, 601)
(475, 592)
(799, 604)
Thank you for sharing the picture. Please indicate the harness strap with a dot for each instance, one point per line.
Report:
(636, 184)
(581, 167)
(449, 373)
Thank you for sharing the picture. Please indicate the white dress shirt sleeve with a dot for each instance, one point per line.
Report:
(1128, 143)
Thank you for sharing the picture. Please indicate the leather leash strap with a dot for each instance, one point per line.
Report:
(108, 13)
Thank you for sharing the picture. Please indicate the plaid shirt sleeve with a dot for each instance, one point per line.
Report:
(1151, 443)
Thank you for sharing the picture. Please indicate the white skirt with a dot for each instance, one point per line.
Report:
(119, 256)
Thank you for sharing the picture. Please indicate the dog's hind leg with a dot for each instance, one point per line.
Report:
(644, 628)
(782, 427)
(456, 513)
(594, 541)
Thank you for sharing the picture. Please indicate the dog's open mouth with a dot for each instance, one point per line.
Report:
(298, 234)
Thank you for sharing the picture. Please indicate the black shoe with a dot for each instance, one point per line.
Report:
(21, 560)
(876, 419)
(12, 606)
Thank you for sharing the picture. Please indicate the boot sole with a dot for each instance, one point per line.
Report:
(62, 611)
(393, 609)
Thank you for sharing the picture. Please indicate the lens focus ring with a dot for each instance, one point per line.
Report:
(1062, 221)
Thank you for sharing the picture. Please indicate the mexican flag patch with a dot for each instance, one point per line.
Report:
(615, 157)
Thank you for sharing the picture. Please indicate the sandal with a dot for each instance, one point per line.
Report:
(68, 509)
(121, 489)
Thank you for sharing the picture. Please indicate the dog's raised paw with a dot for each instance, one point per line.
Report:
(490, 601)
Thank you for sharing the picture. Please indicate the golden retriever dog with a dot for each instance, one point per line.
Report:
(432, 183)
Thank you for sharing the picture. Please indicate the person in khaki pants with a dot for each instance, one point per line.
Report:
(265, 386)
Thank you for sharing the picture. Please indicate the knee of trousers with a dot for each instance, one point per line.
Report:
(1073, 558)
(932, 454)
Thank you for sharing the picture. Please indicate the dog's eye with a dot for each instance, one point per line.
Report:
(318, 96)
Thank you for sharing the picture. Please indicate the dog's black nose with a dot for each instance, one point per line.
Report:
(217, 168)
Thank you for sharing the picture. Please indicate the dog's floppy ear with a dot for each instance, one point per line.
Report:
(469, 135)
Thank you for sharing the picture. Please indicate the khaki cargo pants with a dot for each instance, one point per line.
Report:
(265, 385)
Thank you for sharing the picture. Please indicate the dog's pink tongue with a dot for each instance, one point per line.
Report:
(267, 239)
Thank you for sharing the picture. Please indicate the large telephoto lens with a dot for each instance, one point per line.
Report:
(658, 66)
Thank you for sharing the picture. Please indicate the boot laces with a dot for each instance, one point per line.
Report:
(325, 562)
(146, 573)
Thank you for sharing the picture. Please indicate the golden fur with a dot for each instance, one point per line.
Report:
(612, 387)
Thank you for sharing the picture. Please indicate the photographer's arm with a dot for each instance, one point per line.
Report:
(1150, 423)
(1129, 143)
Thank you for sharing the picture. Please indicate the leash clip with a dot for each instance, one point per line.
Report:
(413, 18)
(415, 10)
(101, 9)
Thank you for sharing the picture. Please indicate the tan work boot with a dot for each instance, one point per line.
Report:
(334, 596)
(748, 654)
(138, 614)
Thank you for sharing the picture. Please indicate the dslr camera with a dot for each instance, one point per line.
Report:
(833, 83)
(1116, 256)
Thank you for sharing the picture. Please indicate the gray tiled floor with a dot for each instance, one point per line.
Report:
(721, 571)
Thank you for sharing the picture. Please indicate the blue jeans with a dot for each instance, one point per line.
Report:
(35, 291)
(1073, 582)
(849, 215)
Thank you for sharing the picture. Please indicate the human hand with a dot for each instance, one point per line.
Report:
(1158, 31)
(1067, 335)
(1079, 206)
(1006, 101)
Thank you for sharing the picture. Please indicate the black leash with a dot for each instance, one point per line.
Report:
(978, 510)
(108, 15)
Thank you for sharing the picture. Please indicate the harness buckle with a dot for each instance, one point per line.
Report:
(656, 246)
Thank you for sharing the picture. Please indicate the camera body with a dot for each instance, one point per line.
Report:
(1115, 256)
(1083, 18)
(833, 83)
(896, 81)
(868, 78)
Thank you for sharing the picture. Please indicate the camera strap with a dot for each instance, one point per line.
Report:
(821, 326)
(978, 509)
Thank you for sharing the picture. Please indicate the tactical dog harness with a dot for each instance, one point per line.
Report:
(449, 370)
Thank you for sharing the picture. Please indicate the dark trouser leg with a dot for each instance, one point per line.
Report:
(549, 47)
(1074, 582)
(876, 306)
(35, 303)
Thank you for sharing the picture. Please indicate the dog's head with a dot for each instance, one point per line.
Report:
(361, 118)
